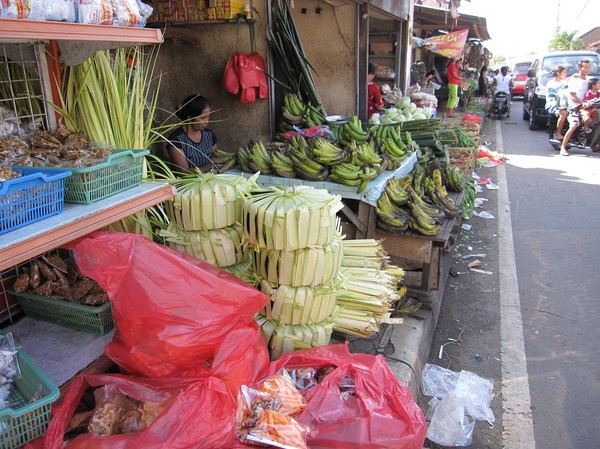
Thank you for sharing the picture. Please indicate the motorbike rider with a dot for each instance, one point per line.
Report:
(576, 88)
(501, 83)
(555, 100)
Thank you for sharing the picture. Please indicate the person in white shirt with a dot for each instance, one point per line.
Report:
(555, 104)
(577, 87)
(501, 83)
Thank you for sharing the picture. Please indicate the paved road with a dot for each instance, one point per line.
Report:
(531, 326)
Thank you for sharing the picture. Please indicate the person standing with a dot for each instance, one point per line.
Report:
(453, 75)
(576, 88)
(192, 144)
(482, 89)
(374, 100)
(554, 102)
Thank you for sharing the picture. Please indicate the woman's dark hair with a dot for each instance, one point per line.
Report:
(192, 106)
(592, 82)
(557, 70)
(372, 68)
(483, 68)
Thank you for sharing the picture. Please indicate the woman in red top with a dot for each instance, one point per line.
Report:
(374, 101)
(453, 76)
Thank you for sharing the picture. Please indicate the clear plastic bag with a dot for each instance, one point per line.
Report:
(458, 400)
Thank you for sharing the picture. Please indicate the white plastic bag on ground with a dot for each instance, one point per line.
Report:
(459, 399)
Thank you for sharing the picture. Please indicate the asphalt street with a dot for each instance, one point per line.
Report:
(529, 322)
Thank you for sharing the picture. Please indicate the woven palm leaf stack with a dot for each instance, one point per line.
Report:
(297, 249)
(205, 220)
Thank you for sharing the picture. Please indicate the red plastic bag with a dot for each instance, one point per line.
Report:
(231, 81)
(474, 118)
(379, 414)
(175, 316)
(200, 415)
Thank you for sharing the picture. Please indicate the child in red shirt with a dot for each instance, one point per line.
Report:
(374, 101)
(590, 115)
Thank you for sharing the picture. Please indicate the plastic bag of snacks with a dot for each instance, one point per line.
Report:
(264, 413)
(97, 12)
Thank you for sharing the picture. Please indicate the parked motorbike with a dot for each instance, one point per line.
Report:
(500, 104)
(580, 139)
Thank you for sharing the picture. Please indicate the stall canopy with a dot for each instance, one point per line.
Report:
(432, 20)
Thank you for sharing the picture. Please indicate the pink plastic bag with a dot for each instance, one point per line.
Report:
(473, 118)
(175, 316)
(200, 415)
(380, 414)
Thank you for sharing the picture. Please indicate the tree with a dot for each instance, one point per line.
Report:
(565, 41)
(498, 61)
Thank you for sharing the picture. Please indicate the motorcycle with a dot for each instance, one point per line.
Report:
(500, 104)
(580, 139)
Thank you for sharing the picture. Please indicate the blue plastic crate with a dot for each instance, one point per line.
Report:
(39, 193)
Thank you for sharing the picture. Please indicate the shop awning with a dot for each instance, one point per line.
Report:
(435, 19)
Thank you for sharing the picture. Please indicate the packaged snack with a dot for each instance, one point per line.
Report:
(264, 414)
(98, 12)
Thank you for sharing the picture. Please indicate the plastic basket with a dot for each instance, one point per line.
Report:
(93, 319)
(120, 171)
(30, 400)
(37, 194)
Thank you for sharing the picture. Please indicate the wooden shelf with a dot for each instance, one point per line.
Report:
(17, 30)
(77, 220)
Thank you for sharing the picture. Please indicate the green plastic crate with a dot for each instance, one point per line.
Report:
(93, 319)
(120, 171)
(30, 400)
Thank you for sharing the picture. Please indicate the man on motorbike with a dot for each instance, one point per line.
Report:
(501, 83)
(576, 88)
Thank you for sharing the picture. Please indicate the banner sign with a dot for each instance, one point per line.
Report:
(449, 45)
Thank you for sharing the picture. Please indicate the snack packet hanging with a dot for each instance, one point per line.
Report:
(97, 12)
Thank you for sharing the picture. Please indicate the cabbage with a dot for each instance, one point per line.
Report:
(404, 101)
(419, 116)
(375, 118)
(419, 111)
(428, 112)
(412, 107)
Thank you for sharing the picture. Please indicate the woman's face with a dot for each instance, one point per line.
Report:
(201, 122)
(562, 74)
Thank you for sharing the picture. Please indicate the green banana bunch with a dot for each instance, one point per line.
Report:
(221, 156)
(392, 162)
(388, 146)
(299, 143)
(315, 115)
(468, 201)
(389, 216)
(327, 153)
(260, 158)
(440, 198)
(353, 130)
(282, 165)
(346, 174)
(367, 174)
(293, 104)
(243, 157)
(395, 192)
(428, 231)
(455, 181)
(304, 166)
(414, 198)
(367, 155)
